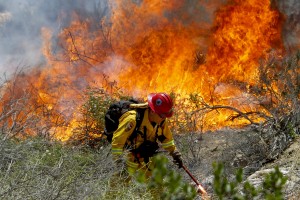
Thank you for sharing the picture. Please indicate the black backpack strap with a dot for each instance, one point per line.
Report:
(161, 137)
(139, 119)
(133, 137)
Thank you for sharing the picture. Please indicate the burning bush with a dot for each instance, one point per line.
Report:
(214, 79)
(275, 100)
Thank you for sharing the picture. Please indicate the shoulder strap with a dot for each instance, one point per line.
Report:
(139, 105)
(139, 119)
(161, 137)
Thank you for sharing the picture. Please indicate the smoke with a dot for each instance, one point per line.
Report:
(21, 22)
(291, 29)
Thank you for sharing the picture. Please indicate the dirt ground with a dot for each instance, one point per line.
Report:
(289, 164)
(244, 148)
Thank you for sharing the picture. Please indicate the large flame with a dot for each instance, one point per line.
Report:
(154, 46)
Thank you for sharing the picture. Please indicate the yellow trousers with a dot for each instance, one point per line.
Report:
(137, 165)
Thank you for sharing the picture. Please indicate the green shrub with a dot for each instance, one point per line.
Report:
(166, 183)
(273, 185)
(271, 188)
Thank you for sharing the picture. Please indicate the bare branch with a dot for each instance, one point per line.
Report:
(77, 52)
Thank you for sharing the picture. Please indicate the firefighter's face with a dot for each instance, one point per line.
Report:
(153, 117)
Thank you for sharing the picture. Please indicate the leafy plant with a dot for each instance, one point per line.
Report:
(271, 188)
(91, 127)
(166, 183)
(222, 186)
(273, 185)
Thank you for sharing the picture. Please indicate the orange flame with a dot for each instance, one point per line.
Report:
(155, 46)
(244, 33)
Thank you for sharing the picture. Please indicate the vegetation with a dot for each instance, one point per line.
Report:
(271, 188)
(37, 168)
(33, 165)
(167, 184)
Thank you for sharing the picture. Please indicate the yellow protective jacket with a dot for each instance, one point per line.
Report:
(127, 124)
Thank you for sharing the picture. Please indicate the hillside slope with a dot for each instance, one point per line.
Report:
(246, 148)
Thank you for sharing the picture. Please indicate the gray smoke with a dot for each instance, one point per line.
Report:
(291, 29)
(21, 22)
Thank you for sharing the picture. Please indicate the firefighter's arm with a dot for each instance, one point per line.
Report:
(126, 126)
(169, 144)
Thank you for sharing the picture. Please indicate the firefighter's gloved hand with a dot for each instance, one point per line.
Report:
(177, 159)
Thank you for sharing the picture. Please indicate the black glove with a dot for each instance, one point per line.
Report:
(177, 159)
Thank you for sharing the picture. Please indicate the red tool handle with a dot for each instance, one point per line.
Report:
(200, 188)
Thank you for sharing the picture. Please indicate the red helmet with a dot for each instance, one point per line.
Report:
(161, 104)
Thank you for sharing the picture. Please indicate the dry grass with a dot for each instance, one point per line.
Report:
(40, 168)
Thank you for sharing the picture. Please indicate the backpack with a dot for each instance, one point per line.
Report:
(115, 111)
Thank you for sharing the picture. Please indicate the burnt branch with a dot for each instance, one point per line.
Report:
(238, 115)
(106, 36)
(81, 57)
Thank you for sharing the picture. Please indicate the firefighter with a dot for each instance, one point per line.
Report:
(153, 130)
